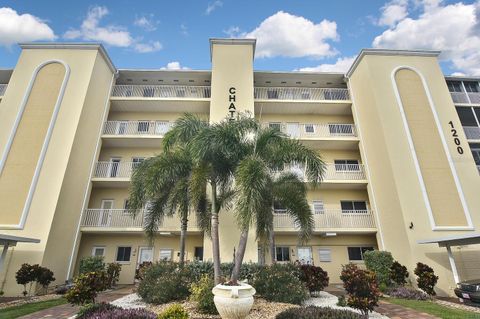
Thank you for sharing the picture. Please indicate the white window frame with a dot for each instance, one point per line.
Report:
(122, 261)
(309, 125)
(289, 254)
(94, 248)
(319, 203)
(164, 250)
(326, 250)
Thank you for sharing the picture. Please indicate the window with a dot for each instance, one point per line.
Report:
(98, 251)
(356, 253)
(346, 165)
(353, 206)
(325, 254)
(282, 253)
(143, 126)
(467, 118)
(122, 128)
(309, 128)
(318, 207)
(148, 92)
(136, 161)
(275, 125)
(475, 147)
(454, 86)
(123, 254)
(198, 253)
(272, 94)
(471, 87)
(125, 204)
(278, 208)
(340, 129)
(165, 254)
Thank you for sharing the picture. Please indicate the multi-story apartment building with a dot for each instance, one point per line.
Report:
(401, 171)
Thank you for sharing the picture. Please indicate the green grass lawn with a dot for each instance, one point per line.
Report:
(22, 310)
(434, 309)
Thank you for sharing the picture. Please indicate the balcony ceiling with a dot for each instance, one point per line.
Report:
(164, 77)
(300, 79)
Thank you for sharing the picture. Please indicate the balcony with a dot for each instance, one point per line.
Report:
(3, 88)
(120, 220)
(465, 97)
(472, 132)
(302, 100)
(167, 98)
(331, 220)
(113, 174)
(134, 133)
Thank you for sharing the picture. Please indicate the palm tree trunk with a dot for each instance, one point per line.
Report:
(215, 238)
(183, 237)
(242, 245)
(273, 254)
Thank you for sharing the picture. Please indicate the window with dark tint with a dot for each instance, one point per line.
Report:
(123, 253)
(475, 147)
(198, 253)
(466, 116)
(348, 206)
(356, 253)
(454, 86)
(471, 86)
(283, 253)
(346, 165)
(279, 208)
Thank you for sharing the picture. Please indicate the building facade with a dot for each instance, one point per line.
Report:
(401, 142)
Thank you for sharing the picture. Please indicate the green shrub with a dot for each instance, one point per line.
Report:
(140, 271)
(380, 263)
(201, 293)
(426, 278)
(89, 309)
(113, 273)
(45, 277)
(86, 287)
(312, 312)
(175, 311)
(398, 273)
(91, 264)
(315, 278)
(27, 274)
(164, 282)
(362, 288)
(342, 302)
(281, 284)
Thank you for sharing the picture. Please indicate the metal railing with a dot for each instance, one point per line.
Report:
(137, 127)
(333, 172)
(478, 168)
(114, 169)
(161, 91)
(465, 97)
(3, 88)
(472, 132)
(330, 219)
(121, 218)
(301, 93)
(310, 130)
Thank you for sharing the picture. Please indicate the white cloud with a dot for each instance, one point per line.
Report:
(457, 74)
(118, 36)
(146, 23)
(285, 34)
(233, 32)
(453, 29)
(147, 47)
(393, 12)
(174, 65)
(184, 29)
(212, 6)
(341, 65)
(16, 28)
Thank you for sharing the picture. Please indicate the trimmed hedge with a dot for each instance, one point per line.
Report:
(380, 263)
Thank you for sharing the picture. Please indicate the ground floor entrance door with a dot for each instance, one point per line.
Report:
(304, 255)
(145, 254)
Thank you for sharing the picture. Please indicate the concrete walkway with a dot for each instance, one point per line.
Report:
(67, 310)
(399, 312)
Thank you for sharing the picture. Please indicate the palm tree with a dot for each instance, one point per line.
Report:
(258, 185)
(160, 185)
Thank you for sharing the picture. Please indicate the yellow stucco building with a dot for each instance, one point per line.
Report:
(401, 140)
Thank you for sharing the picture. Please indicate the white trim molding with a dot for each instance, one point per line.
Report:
(445, 147)
(46, 141)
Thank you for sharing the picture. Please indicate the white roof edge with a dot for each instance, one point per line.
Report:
(71, 45)
(364, 52)
(232, 41)
(18, 239)
(450, 239)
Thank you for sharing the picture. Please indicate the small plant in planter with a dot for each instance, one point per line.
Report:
(426, 278)
(362, 288)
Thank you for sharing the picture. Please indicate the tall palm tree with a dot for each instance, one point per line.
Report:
(160, 185)
(258, 184)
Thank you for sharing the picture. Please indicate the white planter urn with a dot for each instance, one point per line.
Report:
(233, 302)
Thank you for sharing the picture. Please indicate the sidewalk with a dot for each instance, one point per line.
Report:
(400, 312)
(67, 310)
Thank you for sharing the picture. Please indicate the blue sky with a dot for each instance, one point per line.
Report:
(292, 35)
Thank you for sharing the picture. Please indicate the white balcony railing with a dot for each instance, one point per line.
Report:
(330, 219)
(137, 127)
(472, 132)
(121, 218)
(3, 88)
(311, 131)
(114, 169)
(161, 91)
(465, 97)
(334, 172)
(301, 93)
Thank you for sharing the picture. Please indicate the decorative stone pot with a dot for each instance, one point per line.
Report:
(233, 302)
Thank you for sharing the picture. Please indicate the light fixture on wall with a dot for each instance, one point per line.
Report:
(411, 225)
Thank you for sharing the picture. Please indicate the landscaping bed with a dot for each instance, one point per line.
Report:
(433, 308)
(22, 309)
